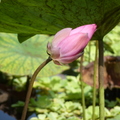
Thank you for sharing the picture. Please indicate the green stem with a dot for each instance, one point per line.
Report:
(89, 51)
(101, 80)
(82, 89)
(30, 87)
(94, 80)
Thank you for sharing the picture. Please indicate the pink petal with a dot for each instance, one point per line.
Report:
(77, 30)
(90, 29)
(49, 48)
(69, 59)
(73, 44)
(55, 52)
(62, 34)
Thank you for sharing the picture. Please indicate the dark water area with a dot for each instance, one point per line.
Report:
(5, 116)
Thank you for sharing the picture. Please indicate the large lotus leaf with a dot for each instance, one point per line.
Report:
(24, 58)
(49, 16)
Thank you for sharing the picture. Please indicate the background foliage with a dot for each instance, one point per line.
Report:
(60, 99)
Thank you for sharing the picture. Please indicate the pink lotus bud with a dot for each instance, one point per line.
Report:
(68, 44)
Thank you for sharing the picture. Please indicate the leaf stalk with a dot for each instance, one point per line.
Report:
(101, 80)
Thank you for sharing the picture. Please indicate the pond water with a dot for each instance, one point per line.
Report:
(5, 116)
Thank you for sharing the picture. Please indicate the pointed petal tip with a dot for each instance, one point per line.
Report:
(94, 25)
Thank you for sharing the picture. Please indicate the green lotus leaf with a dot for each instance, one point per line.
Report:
(23, 59)
(48, 16)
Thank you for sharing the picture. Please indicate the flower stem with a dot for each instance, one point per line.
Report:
(82, 89)
(101, 80)
(30, 87)
(89, 51)
(94, 80)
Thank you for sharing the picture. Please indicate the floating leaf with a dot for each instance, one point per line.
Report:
(41, 116)
(52, 116)
(23, 59)
(117, 117)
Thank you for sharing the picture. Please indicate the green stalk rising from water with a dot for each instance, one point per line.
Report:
(94, 80)
(82, 89)
(101, 80)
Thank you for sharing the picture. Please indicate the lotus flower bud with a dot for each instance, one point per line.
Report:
(68, 44)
